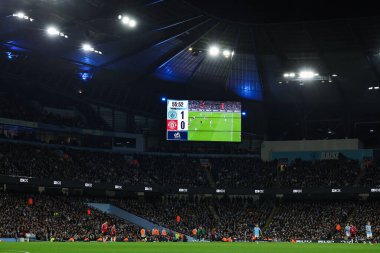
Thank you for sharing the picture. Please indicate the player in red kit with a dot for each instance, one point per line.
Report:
(105, 231)
(113, 233)
(353, 231)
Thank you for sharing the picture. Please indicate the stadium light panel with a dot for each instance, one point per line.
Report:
(243, 113)
(87, 47)
(306, 74)
(125, 20)
(370, 88)
(226, 53)
(21, 15)
(163, 99)
(334, 75)
(371, 130)
(214, 51)
(119, 17)
(376, 88)
(292, 74)
(52, 31)
(190, 49)
(132, 23)
(286, 75)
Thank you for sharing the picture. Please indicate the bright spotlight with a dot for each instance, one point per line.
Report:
(125, 20)
(87, 47)
(226, 53)
(119, 17)
(20, 15)
(132, 23)
(370, 88)
(286, 75)
(214, 51)
(376, 88)
(316, 74)
(306, 74)
(243, 113)
(163, 99)
(292, 74)
(52, 31)
(334, 75)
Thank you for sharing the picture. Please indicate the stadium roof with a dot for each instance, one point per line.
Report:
(139, 65)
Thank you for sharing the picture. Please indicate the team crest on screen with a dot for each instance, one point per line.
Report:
(172, 114)
(172, 125)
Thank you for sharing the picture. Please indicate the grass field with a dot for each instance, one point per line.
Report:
(214, 126)
(42, 247)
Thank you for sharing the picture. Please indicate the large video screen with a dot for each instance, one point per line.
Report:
(196, 120)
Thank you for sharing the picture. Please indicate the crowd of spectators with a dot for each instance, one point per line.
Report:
(367, 211)
(200, 105)
(312, 220)
(64, 217)
(321, 173)
(16, 107)
(192, 212)
(179, 171)
(45, 217)
(371, 177)
(33, 161)
(237, 217)
(242, 172)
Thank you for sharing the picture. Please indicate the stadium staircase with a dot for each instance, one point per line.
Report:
(210, 179)
(134, 219)
(270, 217)
(360, 176)
(213, 212)
(350, 216)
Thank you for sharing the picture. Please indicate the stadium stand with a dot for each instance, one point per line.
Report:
(57, 217)
(313, 220)
(242, 172)
(329, 173)
(26, 160)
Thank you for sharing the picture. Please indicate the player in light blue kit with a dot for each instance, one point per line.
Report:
(257, 232)
(368, 231)
(347, 229)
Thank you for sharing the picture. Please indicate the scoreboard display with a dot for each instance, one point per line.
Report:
(198, 120)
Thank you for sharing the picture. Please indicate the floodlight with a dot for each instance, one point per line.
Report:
(125, 20)
(132, 23)
(87, 47)
(226, 53)
(214, 51)
(306, 74)
(52, 31)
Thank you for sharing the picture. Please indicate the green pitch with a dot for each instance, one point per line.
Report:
(214, 126)
(78, 247)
